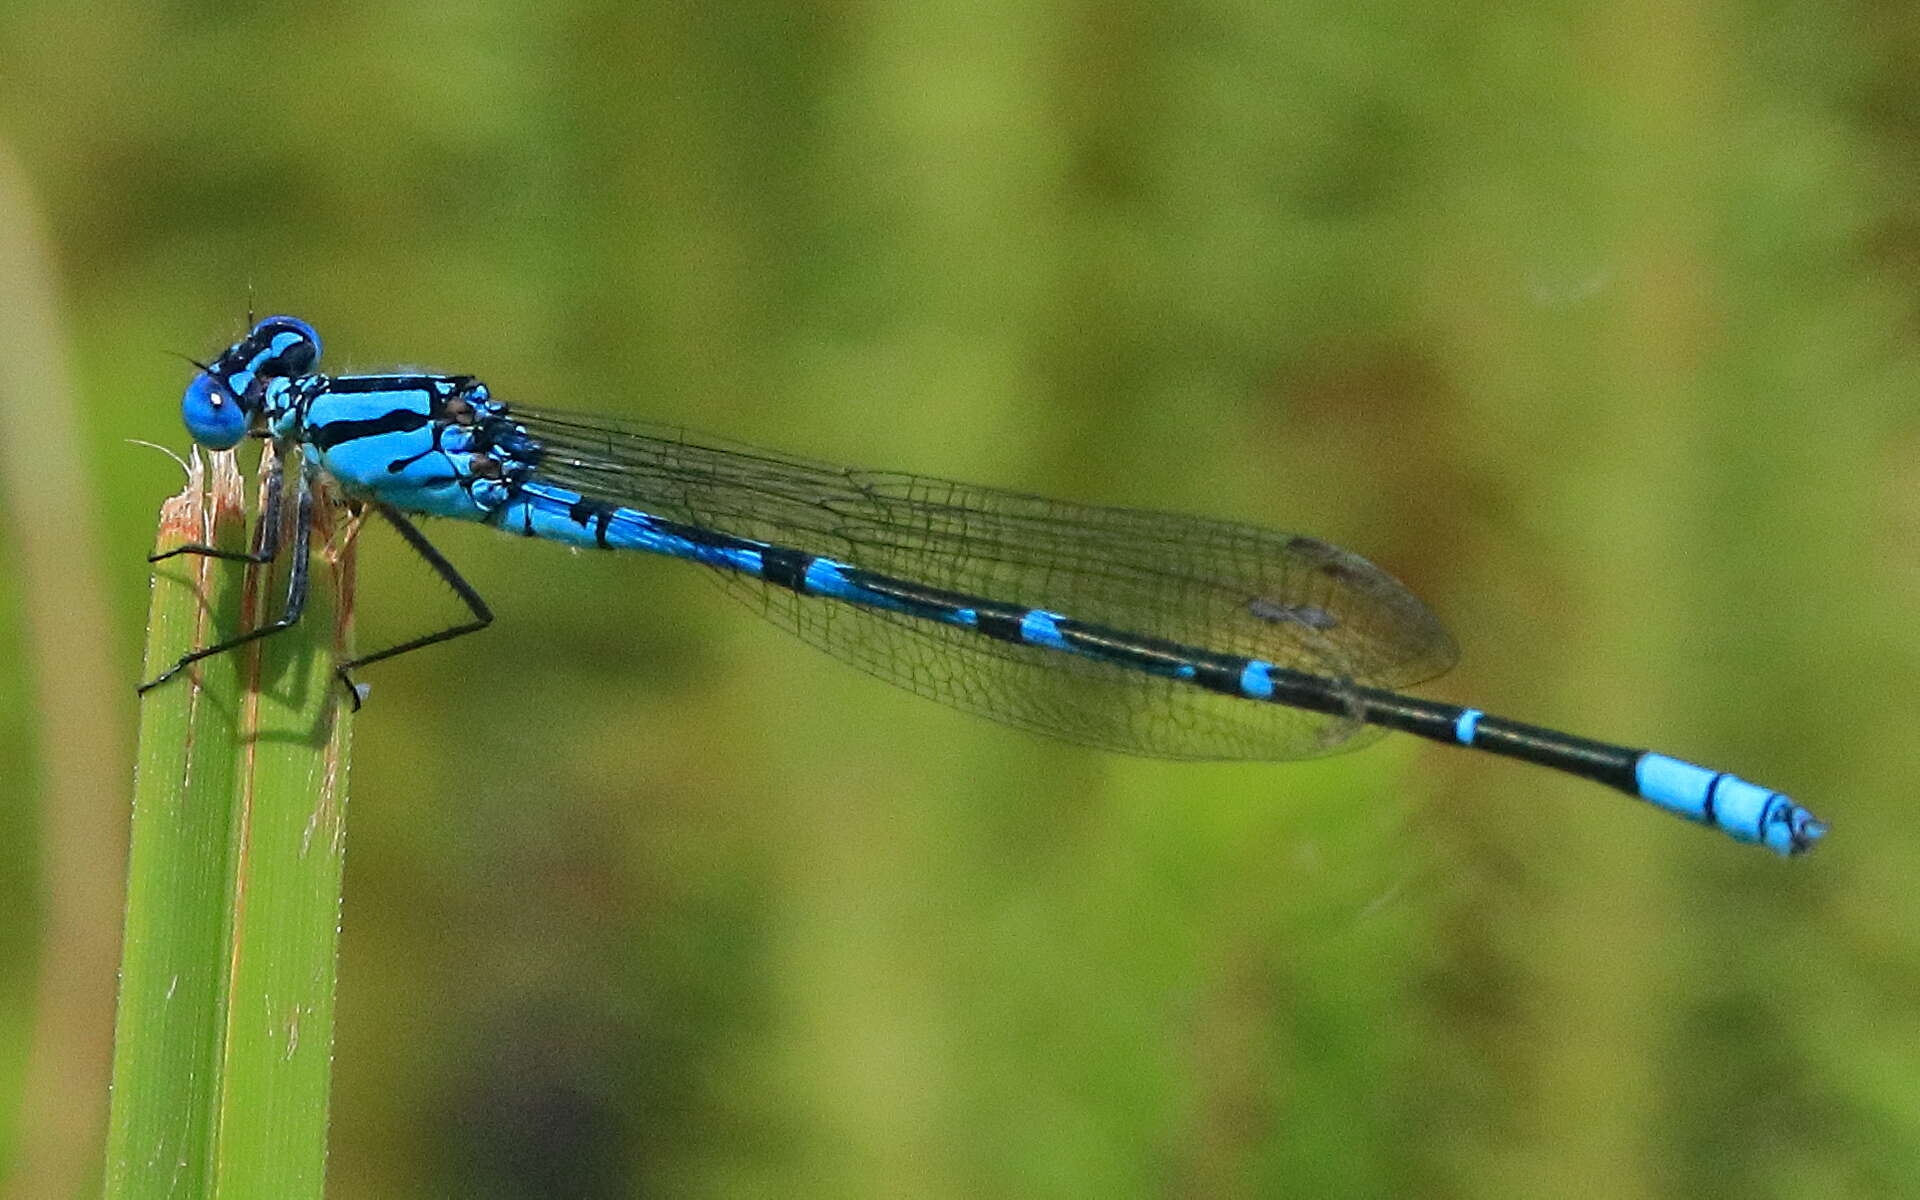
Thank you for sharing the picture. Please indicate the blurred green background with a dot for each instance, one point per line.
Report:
(1595, 324)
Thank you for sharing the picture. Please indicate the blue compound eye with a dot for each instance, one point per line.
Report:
(212, 413)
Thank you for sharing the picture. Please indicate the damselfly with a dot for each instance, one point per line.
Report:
(1143, 632)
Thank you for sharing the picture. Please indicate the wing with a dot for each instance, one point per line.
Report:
(1230, 588)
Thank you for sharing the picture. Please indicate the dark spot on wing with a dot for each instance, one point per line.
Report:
(1331, 561)
(1310, 615)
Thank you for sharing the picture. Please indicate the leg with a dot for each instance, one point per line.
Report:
(296, 584)
(267, 545)
(482, 615)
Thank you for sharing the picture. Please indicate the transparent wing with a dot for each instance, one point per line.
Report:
(1215, 585)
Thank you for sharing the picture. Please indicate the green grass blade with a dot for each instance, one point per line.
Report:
(292, 843)
(222, 1044)
(173, 973)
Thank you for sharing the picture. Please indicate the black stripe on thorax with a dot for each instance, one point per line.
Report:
(353, 385)
(339, 433)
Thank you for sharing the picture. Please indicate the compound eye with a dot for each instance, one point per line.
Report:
(212, 414)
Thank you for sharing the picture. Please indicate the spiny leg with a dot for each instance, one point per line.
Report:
(267, 544)
(296, 581)
(482, 615)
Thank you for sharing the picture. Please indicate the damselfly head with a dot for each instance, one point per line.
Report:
(225, 398)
